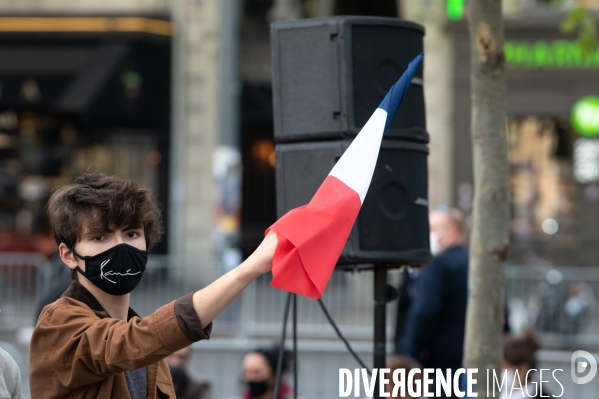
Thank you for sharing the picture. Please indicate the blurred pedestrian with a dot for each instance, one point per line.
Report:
(577, 307)
(520, 365)
(186, 385)
(433, 333)
(10, 376)
(259, 374)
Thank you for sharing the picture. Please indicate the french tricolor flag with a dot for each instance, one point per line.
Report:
(311, 237)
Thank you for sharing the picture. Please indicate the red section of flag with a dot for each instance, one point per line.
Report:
(312, 237)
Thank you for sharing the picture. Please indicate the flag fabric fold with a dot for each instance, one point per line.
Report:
(311, 237)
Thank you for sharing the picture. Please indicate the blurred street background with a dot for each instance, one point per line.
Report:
(177, 95)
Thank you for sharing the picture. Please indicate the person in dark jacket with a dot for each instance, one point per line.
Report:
(433, 331)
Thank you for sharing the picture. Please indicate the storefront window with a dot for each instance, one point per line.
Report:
(544, 192)
(41, 152)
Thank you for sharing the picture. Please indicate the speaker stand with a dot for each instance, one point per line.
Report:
(380, 322)
(383, 293)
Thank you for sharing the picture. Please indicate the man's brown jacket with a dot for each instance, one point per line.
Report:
(78, 351)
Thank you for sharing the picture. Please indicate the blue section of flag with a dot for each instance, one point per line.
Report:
(398, 90)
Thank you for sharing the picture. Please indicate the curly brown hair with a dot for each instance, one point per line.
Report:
(102, 202)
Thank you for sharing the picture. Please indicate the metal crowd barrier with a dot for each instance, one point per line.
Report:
(560, 303)
(258, 310)
(20, 287)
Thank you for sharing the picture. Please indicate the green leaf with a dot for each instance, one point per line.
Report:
(567, 26)
(580, 18)
(579, 13)
(587, 36)
(574, 17)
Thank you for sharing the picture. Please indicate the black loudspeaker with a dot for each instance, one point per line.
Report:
(392, 226)
(330, 74)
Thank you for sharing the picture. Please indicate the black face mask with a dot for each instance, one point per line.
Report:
(257, 388)
(116, 271)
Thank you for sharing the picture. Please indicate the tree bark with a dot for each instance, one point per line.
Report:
(490, 230)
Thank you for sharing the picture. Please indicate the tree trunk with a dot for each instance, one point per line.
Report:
(490, 229)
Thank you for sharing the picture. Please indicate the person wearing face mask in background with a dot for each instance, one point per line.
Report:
(186, 385)
(433, 328)
(259, 374)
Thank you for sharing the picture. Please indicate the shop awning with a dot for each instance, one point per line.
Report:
(103, 73)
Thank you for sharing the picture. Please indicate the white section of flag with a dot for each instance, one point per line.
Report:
(356, 165)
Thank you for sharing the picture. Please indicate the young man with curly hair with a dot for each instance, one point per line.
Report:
(90, 343)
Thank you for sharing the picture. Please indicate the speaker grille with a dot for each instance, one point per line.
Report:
(380, 54)
(308, 77)
(394, 216)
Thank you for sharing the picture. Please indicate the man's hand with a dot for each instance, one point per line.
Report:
(211, 300)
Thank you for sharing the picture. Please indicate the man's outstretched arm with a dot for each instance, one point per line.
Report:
(211, 300)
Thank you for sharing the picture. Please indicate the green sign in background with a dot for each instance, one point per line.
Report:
(585, 116)
(556, 54)
(455, 9)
